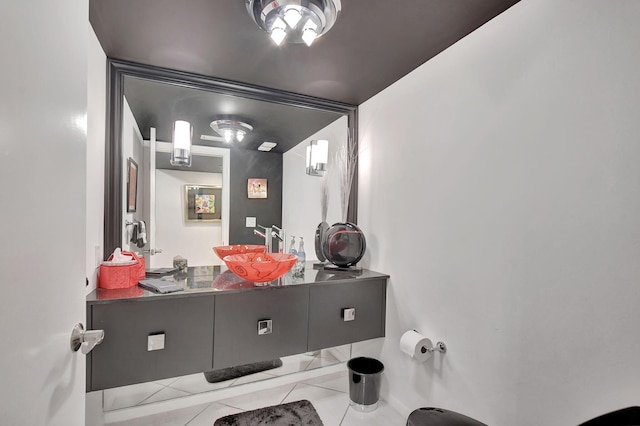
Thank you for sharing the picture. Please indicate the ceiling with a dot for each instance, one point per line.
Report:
(372, 45)
(158, 105)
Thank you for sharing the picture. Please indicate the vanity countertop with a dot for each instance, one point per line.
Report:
(217, 279)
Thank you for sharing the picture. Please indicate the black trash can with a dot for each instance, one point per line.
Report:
(365, 375)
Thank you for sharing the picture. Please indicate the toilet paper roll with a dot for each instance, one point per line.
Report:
(416, 345)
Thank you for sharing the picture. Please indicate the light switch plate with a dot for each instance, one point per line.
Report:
(251, 222)
(155, 342)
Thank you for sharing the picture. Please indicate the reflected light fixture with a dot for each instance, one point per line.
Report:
(317, 157)
(231, 130)
(181, 151)
(297, 21)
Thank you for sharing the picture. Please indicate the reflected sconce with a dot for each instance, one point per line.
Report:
(296, 21)
(317, 157)
(181, 151)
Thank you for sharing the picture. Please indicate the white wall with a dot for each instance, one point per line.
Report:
(191, 240)
(301, 193)
(96, 116)
(132, 147)
(508, 216)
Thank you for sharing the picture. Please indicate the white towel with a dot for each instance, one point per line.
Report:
(142, 234)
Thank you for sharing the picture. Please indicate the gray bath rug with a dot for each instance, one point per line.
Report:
(297, 413)
(216, 376)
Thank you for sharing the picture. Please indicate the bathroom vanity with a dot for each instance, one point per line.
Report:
(220, 320)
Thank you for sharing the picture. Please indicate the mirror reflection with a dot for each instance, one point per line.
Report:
(239, 182)
(218, 160)
(147, 393)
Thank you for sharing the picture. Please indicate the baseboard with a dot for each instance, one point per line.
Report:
(399, 406)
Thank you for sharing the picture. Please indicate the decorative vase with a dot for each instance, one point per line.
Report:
(343, 244)
(320, 231)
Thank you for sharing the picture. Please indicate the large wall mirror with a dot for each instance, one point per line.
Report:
(143, 104)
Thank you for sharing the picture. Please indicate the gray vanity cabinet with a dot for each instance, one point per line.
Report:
(151, 337)
(341, 313)
(260, 325)
(136, 330)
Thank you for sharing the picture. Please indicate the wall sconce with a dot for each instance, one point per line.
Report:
(317, 157)
(181, 152)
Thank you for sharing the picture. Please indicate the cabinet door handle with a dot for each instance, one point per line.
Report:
(265, 327)
(155, 342)
(349, 314)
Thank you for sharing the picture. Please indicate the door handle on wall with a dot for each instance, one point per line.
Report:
(85, 339)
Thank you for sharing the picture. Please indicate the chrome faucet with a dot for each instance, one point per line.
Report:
(281, 236)
(267, 235)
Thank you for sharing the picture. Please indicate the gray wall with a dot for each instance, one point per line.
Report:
(254, 164)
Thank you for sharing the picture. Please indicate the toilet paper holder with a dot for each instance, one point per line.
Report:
(438, 347)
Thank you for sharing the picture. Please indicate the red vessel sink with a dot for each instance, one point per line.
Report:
(260, 267)
(223, 251)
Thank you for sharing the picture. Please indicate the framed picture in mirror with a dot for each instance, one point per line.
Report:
(256, 188)
(203, 203)
(132, 185)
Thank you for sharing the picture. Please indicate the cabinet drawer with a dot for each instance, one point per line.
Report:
(237, 341)
(123, 357)
(327, 303)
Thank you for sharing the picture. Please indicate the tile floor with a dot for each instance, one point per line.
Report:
(328, 394)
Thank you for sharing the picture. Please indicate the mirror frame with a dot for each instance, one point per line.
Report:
(117, 70)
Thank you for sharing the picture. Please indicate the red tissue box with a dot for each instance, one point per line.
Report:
(121, 276)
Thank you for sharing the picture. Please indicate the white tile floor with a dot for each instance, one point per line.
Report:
(328, 394)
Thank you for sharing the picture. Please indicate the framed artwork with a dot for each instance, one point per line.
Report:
(257, 188)
(203, 203)
(132, 185)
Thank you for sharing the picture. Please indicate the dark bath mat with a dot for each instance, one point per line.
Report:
(297, 413)
(215, 376)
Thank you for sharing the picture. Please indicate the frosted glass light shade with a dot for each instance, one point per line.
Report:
(292, 16)
(278, 32)
(317, 157)
(309, 32)
(181, 150)
(319, 152)
(182, 135)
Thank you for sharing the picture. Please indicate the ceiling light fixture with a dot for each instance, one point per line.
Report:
(181, 150)
(231, 130)
(297, 21)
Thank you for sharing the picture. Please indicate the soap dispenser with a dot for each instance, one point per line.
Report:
(292, 248)
(301, 254)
